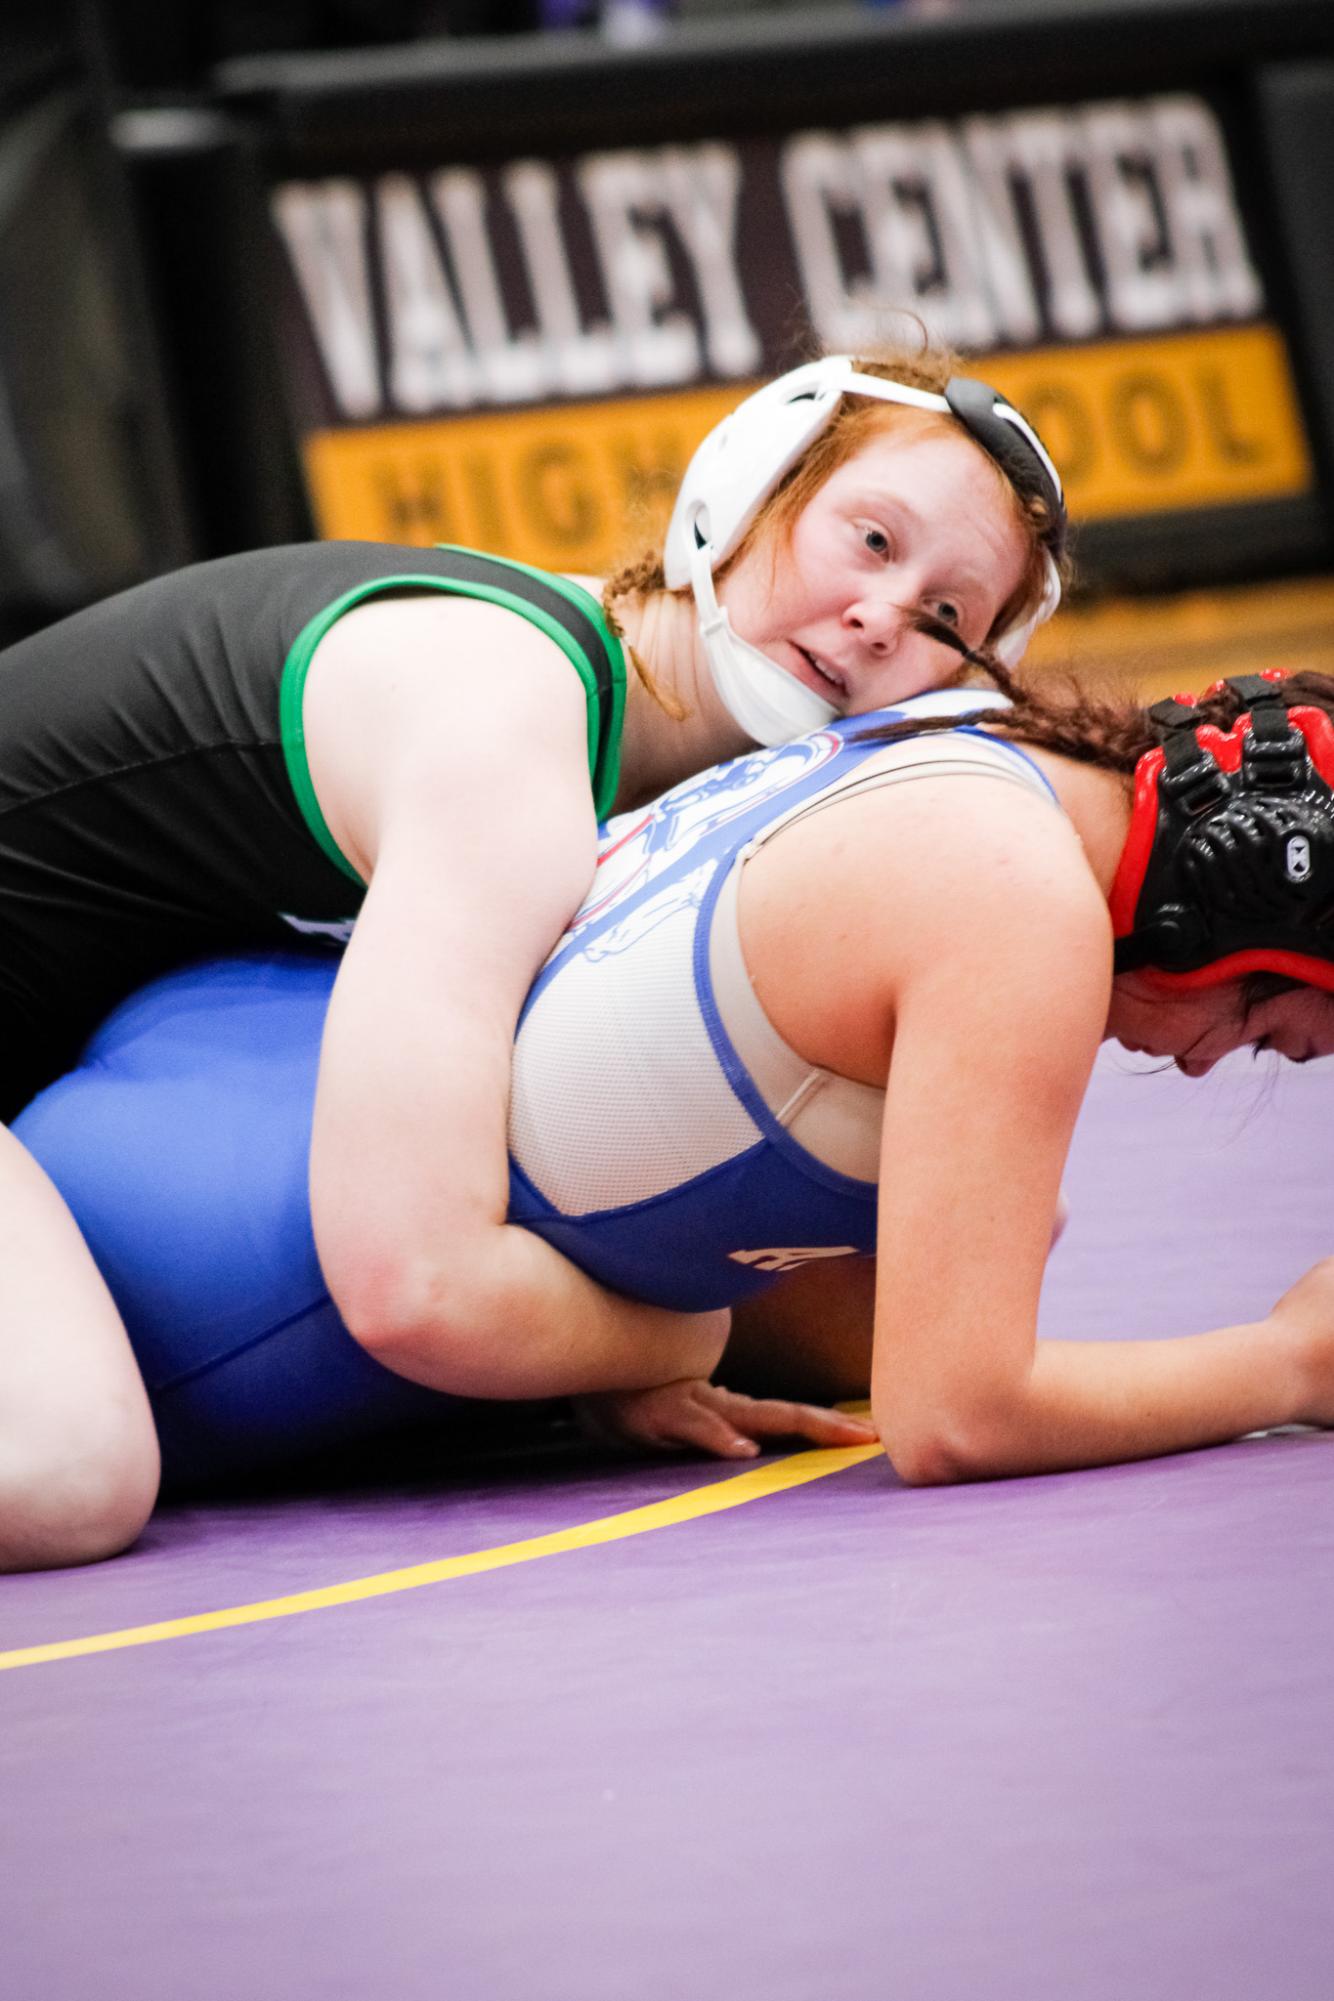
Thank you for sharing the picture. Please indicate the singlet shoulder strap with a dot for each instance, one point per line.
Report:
(834, 1119)
(961, 753)
(562, 609)
(573, 617)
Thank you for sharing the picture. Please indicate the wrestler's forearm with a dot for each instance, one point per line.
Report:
(528, 1323)
(1092, 1403)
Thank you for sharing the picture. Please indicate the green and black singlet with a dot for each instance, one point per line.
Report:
(155, 802)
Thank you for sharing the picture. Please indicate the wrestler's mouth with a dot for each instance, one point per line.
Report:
(822, 675)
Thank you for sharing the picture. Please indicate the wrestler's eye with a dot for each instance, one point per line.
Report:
(947, 612)
(877, 541)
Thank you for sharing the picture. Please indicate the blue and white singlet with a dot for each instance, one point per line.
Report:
(662, 1135)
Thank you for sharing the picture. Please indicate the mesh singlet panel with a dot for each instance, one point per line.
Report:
(835, 1119)
(617, 1093)
(621, 1094)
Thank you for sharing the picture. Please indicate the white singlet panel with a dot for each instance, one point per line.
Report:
(618, 1094)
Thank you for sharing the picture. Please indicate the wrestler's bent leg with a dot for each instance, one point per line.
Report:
(78, 1451)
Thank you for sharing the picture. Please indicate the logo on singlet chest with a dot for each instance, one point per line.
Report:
(336, 930)
(786, 1257)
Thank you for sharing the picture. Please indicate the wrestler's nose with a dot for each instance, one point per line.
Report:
(879, 621)
(1195, 1066)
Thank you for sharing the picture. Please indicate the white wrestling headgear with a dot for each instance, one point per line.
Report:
(743, 460)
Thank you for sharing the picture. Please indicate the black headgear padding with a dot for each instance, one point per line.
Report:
(1229, 866)
(1016, 447)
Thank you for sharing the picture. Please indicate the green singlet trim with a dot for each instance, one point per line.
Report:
(604, 695)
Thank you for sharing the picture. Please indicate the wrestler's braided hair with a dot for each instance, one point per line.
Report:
(1059, 714)
(1062, 716)
(640, 579)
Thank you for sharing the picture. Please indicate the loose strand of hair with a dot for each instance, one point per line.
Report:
(1112, 736)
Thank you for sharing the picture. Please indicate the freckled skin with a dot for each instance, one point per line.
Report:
(915, 524)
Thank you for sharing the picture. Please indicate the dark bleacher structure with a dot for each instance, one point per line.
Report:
(274, 271)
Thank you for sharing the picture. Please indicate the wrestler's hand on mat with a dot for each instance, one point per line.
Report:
(704, 1416)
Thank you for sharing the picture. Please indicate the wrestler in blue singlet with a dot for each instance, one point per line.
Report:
(662, 1136)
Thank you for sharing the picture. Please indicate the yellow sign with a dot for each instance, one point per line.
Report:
(578, 486)
(1180, 422)
(1143, 427)
(1160, 645)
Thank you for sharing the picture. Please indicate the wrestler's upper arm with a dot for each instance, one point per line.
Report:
(473, 816)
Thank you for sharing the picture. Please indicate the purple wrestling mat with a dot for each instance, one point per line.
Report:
(1067, 1737)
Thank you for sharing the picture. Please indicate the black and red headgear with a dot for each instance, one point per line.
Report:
(1228, 867)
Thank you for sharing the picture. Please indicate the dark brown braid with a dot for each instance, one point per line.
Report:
(1060, 715)
(1110, 735)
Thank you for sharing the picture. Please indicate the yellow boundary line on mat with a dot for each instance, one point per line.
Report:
(796, 1471)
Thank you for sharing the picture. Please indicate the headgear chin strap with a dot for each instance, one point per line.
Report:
(745, 458)
(1228, 866)
(770, 705)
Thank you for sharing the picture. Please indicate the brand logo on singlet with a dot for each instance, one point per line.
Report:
(337, 931)
(1298, 858)
(786, 1257)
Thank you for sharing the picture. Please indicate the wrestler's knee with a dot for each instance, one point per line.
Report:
(78, 1490)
